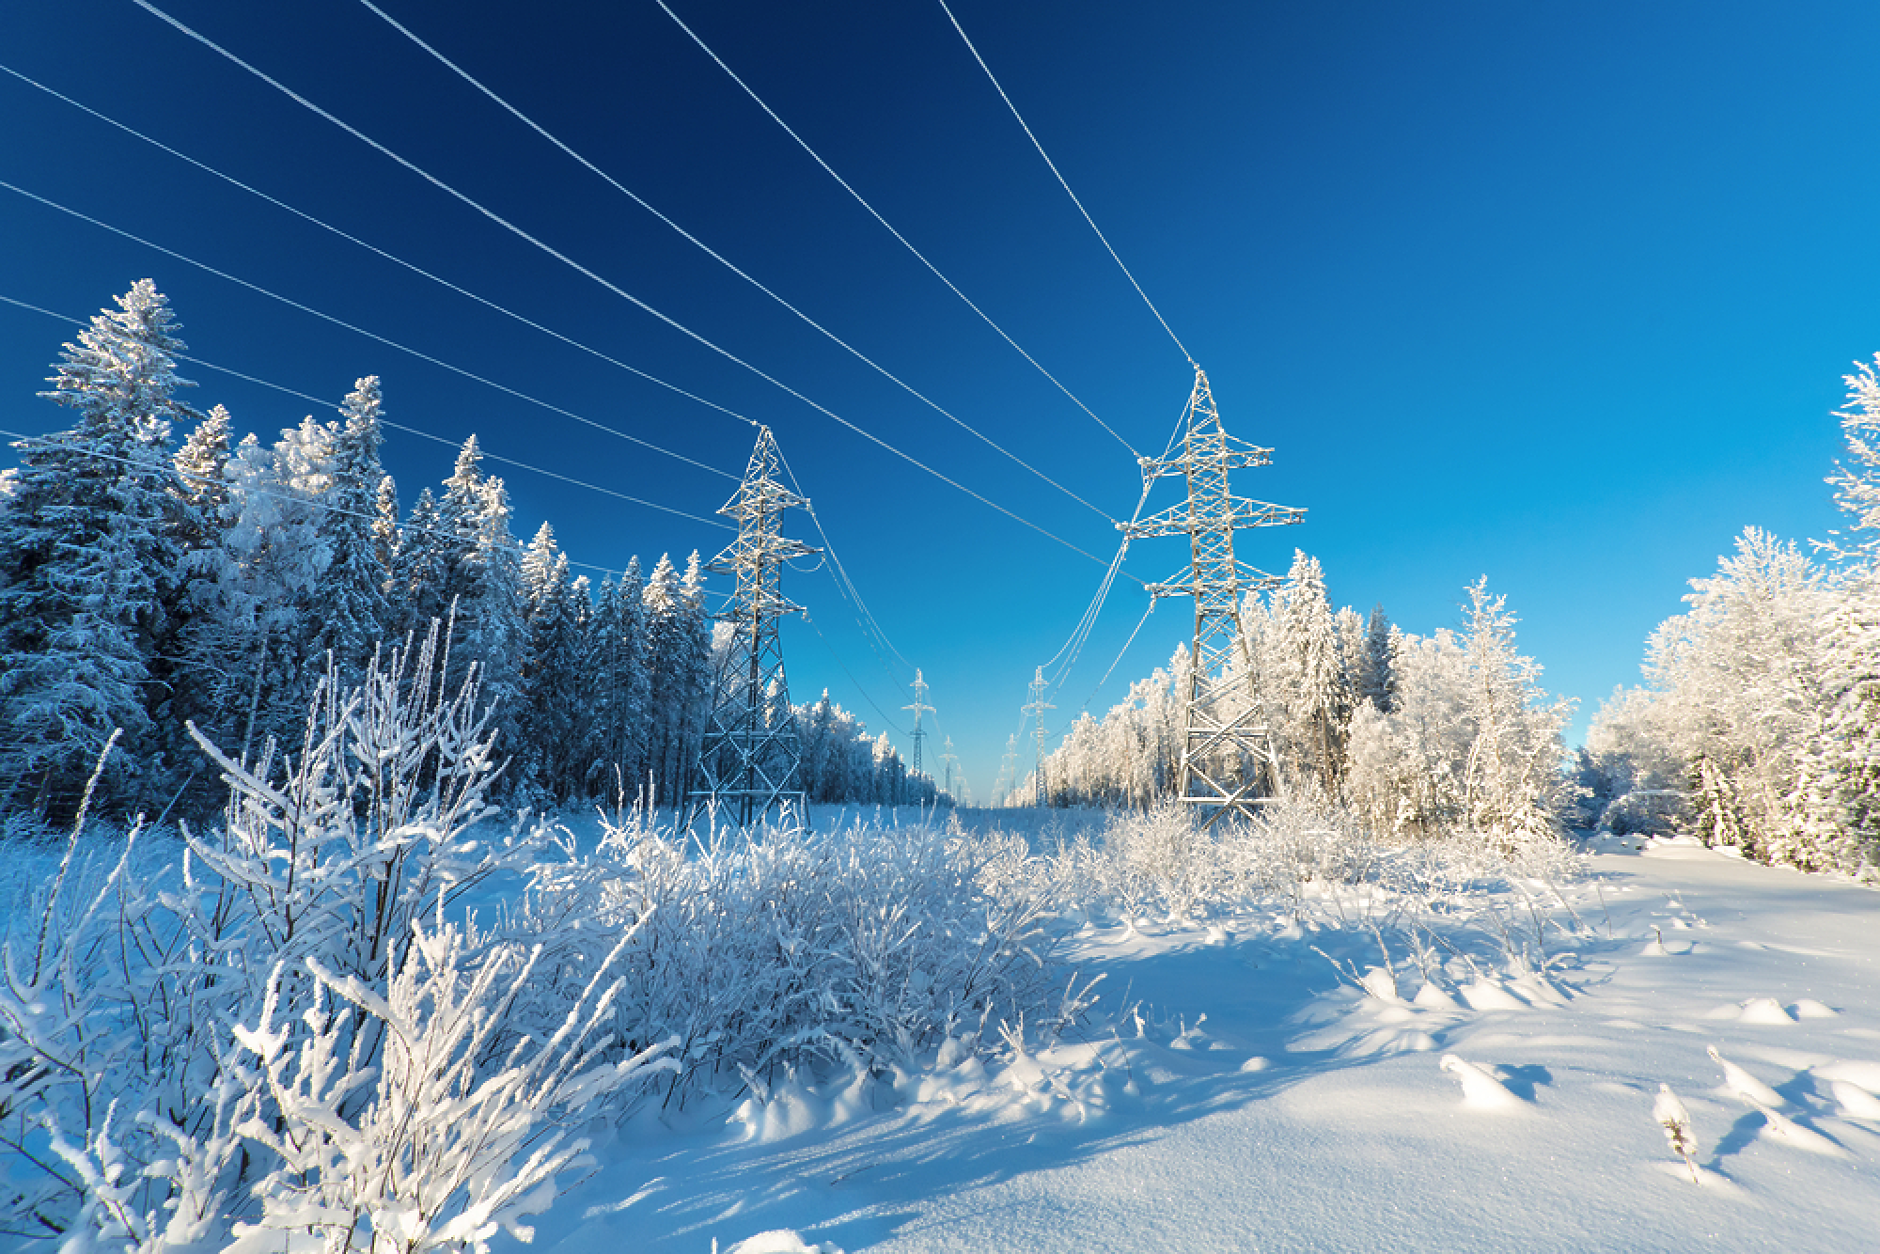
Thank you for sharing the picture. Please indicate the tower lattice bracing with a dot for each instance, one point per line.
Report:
(750, 761)
(1227, 760)
(1036, 709)
(919, 707)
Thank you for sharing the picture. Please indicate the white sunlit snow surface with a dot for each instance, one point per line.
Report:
(1304, 1115)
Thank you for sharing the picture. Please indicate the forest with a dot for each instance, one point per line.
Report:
(151, 584)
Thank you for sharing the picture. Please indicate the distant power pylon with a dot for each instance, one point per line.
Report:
(1007, 765)
(751, 759)
(947, 757)
(1036, 709)
(1226, 746)
(920, 704)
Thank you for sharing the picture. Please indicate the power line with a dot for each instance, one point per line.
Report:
(45, 441)
(609, 285)
(859, 199)
(1061, 181)
(398, 426)
(728, 264)
(338, 322)
(415, 269)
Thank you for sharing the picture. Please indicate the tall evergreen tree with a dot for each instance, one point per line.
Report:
(617, 648)
(349, 608)
(90, 547)
(420, 570)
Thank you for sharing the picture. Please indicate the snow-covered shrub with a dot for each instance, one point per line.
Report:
(133, 1115)
(1162, 856)
(783, 947)
(446, 1150)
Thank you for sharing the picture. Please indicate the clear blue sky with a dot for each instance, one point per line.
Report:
(1556, 293)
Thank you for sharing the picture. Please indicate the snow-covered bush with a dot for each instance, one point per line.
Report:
(138, 1114)
(782, 947)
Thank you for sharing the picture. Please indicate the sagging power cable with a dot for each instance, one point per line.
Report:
(728, 264)
(889, 227)
(1108, 247)
(507, 225)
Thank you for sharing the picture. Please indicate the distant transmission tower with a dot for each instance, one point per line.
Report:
(751, 759)
(1007, 766)
(1036, 709)
(1226, 747)
(951, 761)
(920, 704)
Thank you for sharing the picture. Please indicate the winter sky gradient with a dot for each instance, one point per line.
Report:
(1558, 293)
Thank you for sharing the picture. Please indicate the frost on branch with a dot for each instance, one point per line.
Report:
(445, 1152)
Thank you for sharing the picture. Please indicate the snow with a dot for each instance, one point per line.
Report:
(1245, 1096)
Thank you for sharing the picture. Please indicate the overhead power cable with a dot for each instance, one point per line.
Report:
(339, 322)
(724, 261)
(862, 201)
(402, 427)
(1061, 182)
(507, 225)
(415, 269)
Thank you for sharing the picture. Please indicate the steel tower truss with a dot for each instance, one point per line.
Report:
(750, 760)
(1226, 750)
(1037, 707)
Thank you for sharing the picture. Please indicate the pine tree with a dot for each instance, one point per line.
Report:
(1376, 672)
(1310, 676)
(617, 644)
(350, 612)
(385, 528)
(483, 586)
(420, 570)
(90, 548)
(554, 687)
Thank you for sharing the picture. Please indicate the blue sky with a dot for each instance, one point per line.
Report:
(1557, 293)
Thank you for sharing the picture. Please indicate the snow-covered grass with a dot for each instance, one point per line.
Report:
(369, 1013)
(1248, 1097)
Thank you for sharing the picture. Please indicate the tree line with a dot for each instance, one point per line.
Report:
(1416, 736)
(1758, 726)
(147, 587)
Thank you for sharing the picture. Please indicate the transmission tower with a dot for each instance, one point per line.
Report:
(1007, 765)
(920, 704)
(1036, 709)
(1226, 748)
(751, 759)
(950, 761)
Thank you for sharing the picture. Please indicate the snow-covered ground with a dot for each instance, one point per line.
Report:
(1303, 1114)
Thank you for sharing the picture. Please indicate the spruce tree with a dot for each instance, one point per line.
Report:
(349, 611)
(91, 536)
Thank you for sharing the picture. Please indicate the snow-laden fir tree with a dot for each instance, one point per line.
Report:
(349, 610)
(420, 570)
(553, 727)
(484, 585)
(617, 649)
(90, 555)
(1305, 677)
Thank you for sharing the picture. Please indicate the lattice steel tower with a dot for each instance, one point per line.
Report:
(751, 760)
(1226, 749)
(1036, 709)
(948, 759)
(920, 706)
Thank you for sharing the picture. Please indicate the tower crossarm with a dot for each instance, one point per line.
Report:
(1236, 512)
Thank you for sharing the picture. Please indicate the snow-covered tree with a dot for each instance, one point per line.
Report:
(91, 535)
(349, 611)
(552, 727)
(617, 654)
(1744, 676)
